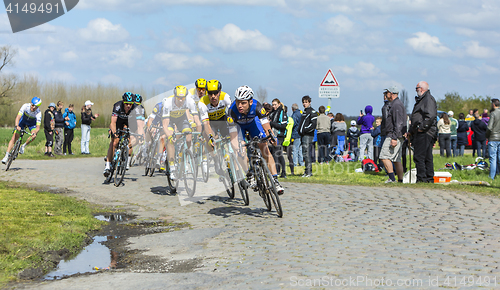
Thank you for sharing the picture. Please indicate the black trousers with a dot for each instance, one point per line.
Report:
(279, 159)
(68, 138)
(423, 158)
(49, 137)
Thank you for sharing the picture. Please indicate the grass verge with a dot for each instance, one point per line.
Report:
(343, 173)
(34, 224)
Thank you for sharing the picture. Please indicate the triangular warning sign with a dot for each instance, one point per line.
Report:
(329, 80)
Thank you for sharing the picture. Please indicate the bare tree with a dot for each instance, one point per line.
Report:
(261, 94)
(7, 81)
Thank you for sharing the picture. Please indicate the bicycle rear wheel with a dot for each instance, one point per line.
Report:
(171, 184)
(261, 185)
(152, 159)
(189, 172)
(239, 178)
(272, 192)
(112, 169)
(13, 153)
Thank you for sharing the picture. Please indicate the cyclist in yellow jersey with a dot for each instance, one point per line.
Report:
(199, 91)
(179, 110)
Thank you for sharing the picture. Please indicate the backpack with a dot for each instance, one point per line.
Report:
(368, 165)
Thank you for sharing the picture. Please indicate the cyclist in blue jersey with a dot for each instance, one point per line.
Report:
(30, 117)
(247, 115)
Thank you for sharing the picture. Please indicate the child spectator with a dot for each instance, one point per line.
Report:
(353, 134)
(69, 124)
(377, 139)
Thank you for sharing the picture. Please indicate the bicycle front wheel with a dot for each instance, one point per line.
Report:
(189, 172)
(13, 153)
(204, 161)
(261, 185)
(121, 168)
(272, 192)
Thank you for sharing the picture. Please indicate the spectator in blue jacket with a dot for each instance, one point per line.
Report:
(366, 139)
(298, 159)
(69, 124)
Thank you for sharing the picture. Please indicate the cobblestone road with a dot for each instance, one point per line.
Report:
(330, 236)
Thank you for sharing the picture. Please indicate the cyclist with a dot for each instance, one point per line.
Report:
(248, 115)
(179, 110)
(212, 108)
(155, 119)
(199, 91)
(119, 120)
(29, 116)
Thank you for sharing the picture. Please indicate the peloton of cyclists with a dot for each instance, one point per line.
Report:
(247, 115)
(30, 117)
(179, 111)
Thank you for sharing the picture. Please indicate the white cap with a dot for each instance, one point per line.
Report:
(353, 123)
(88, 102)
(450, 113)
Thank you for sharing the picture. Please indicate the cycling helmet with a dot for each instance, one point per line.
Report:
(180, 92)
(137, 99)
(36, 101)
(214, 86)
(243, 93)
(201, 83)
(127, 97)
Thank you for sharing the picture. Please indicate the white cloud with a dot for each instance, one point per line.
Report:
(362, 70)
(298, 54)
(125, 56)
(111, 79)
(472, 48)
(339, 25)
(231, 38)
(489, 69)
(176, 45)
(138, 5)
(429, 45)
(465, 72)
(62, 76)
(102, 30)
(69, 56)
(176, 61)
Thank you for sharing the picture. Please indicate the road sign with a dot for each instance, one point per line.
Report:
(329, 87)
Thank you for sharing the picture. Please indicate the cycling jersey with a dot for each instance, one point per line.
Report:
(28, 117)
(213, 113)
(251, 122)
(156, 114)
(177, 115)
(123, 117)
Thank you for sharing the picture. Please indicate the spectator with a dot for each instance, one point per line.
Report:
(485, 118)
(298, 159)
(339, 128)
(353, 135)
(87, 118)
(423, 132)
(307, 126)
(493, 134)
(377, 140)
(59, 129)
(453, 129)
(385, 110)
(462, 129)
(49, 125)
(278, 120)
(69, 124)
(479, 129)
(395, 127)
(286, 144)
(444, 130)
(324, 135)
(472, 138)
(470, 116)
(365, 139)
(312, 147)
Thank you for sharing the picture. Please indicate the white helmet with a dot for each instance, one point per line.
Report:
(244, 93)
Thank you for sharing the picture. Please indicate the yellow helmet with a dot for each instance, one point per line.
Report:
(201, 83)
(214, 86)
(180, 91)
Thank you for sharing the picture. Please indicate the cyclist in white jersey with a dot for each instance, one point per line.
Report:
(30, 117)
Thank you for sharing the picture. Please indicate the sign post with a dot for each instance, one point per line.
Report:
(329, 88)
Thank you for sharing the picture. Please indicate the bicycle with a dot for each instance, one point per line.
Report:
(201, 156)
(231, 171)
(120, 158)
(15, 150)
(262, 174)
(185, 166)
(151, 153)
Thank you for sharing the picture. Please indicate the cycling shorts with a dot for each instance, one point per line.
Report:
(254, 129)
(27, 123)
(181, 124)
(220, 126)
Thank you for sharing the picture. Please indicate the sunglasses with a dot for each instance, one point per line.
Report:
(128, 103)
(417, 88)
(213, 92)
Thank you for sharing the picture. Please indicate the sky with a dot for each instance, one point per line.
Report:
(284, 47)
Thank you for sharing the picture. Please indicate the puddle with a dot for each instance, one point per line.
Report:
(93, 257)
(113, 217)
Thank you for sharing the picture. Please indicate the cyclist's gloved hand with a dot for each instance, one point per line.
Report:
(193, 125)
(211, 140)
(274, 140)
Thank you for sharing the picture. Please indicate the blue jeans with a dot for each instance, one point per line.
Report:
(494, 150)
(481, 145)
(298, 160)
(454, 146)
(85, 138)
(461, 150)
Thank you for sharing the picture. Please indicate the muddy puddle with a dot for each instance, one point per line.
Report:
(107, 251)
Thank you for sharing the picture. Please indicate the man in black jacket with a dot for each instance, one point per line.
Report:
(49, 126)
(278, 120)
(307, 126)
(423, 132)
